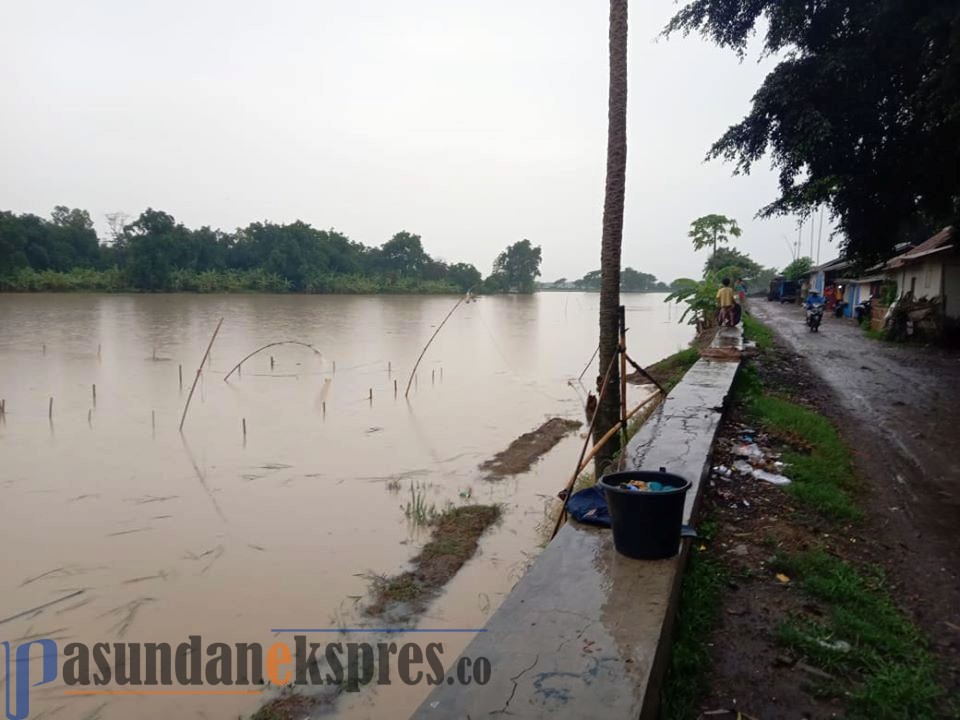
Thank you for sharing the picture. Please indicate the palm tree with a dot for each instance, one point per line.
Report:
(609, 409)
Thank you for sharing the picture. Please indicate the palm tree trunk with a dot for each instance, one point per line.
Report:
(608, 412)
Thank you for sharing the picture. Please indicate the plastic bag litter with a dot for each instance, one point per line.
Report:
(748, 450)
(771, 477)
(745, 468)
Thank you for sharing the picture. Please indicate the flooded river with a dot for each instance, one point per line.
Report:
(230, 536)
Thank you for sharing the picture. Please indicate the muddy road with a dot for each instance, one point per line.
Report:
(899, 409)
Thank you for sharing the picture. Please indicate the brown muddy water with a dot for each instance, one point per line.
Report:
(210, 533)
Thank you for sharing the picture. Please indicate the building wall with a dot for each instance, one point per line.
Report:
(951, 289)
(924, 278)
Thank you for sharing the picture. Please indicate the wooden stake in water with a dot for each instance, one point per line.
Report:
(324, 407)
(394, 387)
(98, 351)
(180, 372)
(334, 367)
(90, 417)
(371, 396)
(93, 389)
(153, 419)
(271, 362)
(197, 376)
(50, 408)
(44, 348)
(389, 367)
(433, 376)
(243, 424)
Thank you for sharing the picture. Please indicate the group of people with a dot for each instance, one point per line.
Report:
(730, 300)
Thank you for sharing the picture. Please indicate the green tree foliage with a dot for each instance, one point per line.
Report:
(156, 253)
(516, 269)
(798, 269)
(630, 281)
(861, 113)
(640, 282)
(66, 241)
(709, 230)
(739, 265)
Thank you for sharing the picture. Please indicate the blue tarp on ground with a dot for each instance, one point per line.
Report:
(589, 507)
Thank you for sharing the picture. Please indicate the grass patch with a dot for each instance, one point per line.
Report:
(756, 331)
(879, 335)
(669, 371)
(697, 615)
(818, 461)
(454, 538)
(879, 659)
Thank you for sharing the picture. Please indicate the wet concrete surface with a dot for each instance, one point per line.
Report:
(581, 634)
(898, 407)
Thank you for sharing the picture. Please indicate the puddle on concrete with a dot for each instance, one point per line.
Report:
(228, 537)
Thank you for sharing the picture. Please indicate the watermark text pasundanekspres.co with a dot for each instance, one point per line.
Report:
(196, 667)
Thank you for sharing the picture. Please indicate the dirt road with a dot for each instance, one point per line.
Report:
(899, 408)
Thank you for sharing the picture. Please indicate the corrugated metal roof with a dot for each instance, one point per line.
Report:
(938, 243)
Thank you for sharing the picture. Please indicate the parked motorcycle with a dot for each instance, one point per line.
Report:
(814, 317)
(862, 311)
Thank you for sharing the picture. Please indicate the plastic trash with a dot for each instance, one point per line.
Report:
(748, 450)
(770, 477)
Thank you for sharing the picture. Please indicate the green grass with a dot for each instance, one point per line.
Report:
(698, 612)
(669, 371)
(879, 335)
(823, 477)
(879, 659)
(757, 332)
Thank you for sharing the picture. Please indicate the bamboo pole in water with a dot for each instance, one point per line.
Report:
(424, 351)
(197, 376)
(50, 408)
(270, 345)
(585, 462)
(622, 320)
(583, 450)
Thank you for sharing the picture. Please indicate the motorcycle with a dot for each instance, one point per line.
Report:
(863, 311)
(814, 317)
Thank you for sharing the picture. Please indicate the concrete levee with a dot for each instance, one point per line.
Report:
(585, 632)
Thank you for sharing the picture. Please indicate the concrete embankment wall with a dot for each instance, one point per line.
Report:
(585, 633)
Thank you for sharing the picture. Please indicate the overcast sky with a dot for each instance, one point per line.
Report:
(473, 123)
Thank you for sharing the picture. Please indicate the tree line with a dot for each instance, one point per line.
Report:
(155, 253)
(630, 281)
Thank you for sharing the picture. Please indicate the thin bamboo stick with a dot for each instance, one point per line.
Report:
(270, 345)
(424, 351)
(622, 319)
(50, 408)
(93, 389)
(197, 376)
(589, 363)
(583, 450)
(598, 446)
